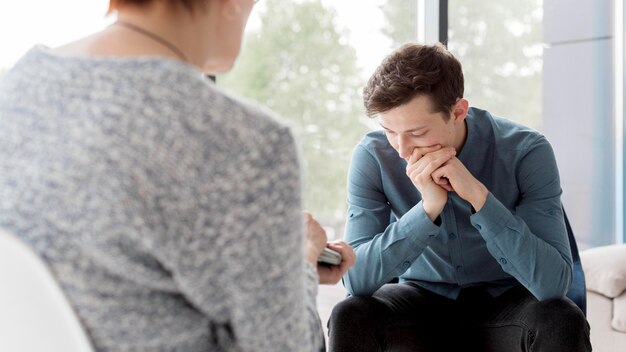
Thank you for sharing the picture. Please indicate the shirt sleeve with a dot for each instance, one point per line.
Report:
(383, 250)
(235, 251)
(531, 243)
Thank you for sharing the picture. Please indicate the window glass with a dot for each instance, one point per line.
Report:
(26, 23)
(500, 46)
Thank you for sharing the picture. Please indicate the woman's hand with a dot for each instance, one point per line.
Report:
(331, 274)
(315, 242)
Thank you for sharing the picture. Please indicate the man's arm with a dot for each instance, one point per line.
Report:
(383, 250)
(530, 244)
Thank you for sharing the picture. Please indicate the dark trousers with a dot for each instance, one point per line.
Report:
(406, 317)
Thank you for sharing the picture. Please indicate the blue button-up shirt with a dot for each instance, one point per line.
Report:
(518, 237)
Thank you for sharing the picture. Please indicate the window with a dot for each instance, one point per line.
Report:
(26, 23)
(500, 47)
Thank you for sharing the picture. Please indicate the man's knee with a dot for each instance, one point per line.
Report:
(558, 313)
(352, 310)
(559, 322)
(355, 324)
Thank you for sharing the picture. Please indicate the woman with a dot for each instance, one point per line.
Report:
(168, 210)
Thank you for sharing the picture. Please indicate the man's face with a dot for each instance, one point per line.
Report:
(414, 125)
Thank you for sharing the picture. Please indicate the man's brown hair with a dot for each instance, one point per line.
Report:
(412, 70)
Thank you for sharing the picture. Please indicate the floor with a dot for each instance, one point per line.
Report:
(327, 297)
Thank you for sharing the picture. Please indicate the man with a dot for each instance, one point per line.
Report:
(479, 245)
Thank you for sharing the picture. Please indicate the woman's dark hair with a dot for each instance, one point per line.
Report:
(188, 4)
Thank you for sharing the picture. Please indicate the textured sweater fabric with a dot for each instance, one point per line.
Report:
(168, 211)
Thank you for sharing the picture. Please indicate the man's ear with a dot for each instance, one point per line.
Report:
(459, 109)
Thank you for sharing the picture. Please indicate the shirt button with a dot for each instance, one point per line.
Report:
(406, 265)
(503, 261)
(452, 236)
(478, 226)
(459, 268)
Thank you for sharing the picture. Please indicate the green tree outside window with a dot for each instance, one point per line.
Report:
(300, 65)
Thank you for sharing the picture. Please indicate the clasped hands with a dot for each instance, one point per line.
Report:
(435, 171)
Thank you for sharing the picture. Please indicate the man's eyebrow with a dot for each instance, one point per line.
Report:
(411, 130)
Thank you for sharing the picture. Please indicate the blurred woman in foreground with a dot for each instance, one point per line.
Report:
(168, 210)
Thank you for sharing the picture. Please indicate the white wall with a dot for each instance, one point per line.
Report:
(578, 112)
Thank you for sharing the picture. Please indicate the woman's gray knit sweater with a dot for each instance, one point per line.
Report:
(168, 211)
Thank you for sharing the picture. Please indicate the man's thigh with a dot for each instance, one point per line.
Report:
(408, 302)
(397, 317)
(517, 321)
(405, 317)
(421, 320)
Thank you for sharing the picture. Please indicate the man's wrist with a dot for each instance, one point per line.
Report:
(432, 214)
(479, 199)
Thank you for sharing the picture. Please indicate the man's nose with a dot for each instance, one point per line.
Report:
(404, 147)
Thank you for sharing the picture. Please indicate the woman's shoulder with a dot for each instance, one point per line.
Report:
(236, 121)
(152, 101)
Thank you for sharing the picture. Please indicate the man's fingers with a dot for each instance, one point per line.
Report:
(441, 180)
(444, 154)
(415, 156)
(440, 176)
(434, 161)
(419, 152)
(447, 188)
(444, 183)
(432, 148)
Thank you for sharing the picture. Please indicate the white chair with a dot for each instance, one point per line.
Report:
(34, 313)
(605, 271)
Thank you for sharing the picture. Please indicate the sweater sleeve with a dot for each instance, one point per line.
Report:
(237, 252)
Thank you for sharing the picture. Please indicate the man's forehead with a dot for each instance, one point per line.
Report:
(401, 127)
(407, 118)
